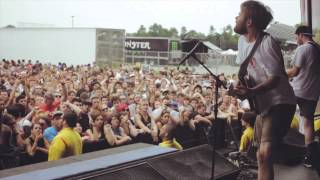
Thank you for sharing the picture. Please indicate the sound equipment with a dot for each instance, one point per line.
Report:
(132, 162)
(194, 163)
(292, 150)
(141, 171)
(85, 163)
(191, 164)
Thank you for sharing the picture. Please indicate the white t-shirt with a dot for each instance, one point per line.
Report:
(23, 122)
(306, 84)
(267, 62)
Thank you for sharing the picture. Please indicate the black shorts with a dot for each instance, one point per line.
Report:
(307, 108)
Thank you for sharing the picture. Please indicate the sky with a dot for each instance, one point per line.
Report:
(196, 15)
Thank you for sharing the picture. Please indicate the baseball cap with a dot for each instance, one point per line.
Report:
(57, 113)
(306, 30)
(157, 81)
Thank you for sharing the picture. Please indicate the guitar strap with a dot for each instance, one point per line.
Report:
(317, 47)
(243, 68)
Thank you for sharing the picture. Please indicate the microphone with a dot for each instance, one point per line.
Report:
(191, 53)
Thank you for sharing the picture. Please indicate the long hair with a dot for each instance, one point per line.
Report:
(260, 14)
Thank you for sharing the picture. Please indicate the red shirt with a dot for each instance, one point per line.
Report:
(51, 108)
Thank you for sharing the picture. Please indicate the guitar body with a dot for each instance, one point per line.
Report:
(248, 82)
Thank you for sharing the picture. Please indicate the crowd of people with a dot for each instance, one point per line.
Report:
(107, 107)
(53, 111)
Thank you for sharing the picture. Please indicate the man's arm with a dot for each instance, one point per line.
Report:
(265, 86)
(294, 71)
(109, 136)
(74, 107)
(64, 91)
(140, 124)
(154, 130)
(13, 92)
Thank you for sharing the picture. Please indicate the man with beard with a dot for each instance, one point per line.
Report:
(273, 94)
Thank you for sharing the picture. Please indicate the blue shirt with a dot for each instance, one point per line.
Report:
(50, 133)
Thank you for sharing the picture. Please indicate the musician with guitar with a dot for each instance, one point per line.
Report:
(263, 80)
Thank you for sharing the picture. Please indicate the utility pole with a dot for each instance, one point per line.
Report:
(72, 17)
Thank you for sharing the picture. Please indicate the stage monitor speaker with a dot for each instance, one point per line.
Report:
(190, 164)
(292, 151)
(142, 171)
(194, 163)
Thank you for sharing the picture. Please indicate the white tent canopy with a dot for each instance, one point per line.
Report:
(229, 52)
(211, 46)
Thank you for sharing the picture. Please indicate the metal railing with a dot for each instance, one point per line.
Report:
(217, 62)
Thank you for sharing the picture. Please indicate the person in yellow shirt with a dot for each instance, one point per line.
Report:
(317, 126)
(68, 141)
(295, 124)
(167, 133)
(247, 121)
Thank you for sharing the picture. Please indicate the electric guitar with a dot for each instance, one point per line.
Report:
(248, 82)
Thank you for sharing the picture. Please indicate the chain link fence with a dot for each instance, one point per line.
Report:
(215, 61)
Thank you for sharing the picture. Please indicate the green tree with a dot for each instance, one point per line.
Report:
(192, 34)
(228, 39)
(225, 40)
(228, 30)
(142, 31)
(212, 31)
(214, 38)
(183, 32)
(173, 32)
(10, 26)
(154, 30)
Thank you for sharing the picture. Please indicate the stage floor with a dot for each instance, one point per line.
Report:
(299, 172)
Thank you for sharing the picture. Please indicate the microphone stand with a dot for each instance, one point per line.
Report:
(191, 52)
(218, 84)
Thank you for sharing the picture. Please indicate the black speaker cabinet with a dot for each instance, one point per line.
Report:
(191, 164)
